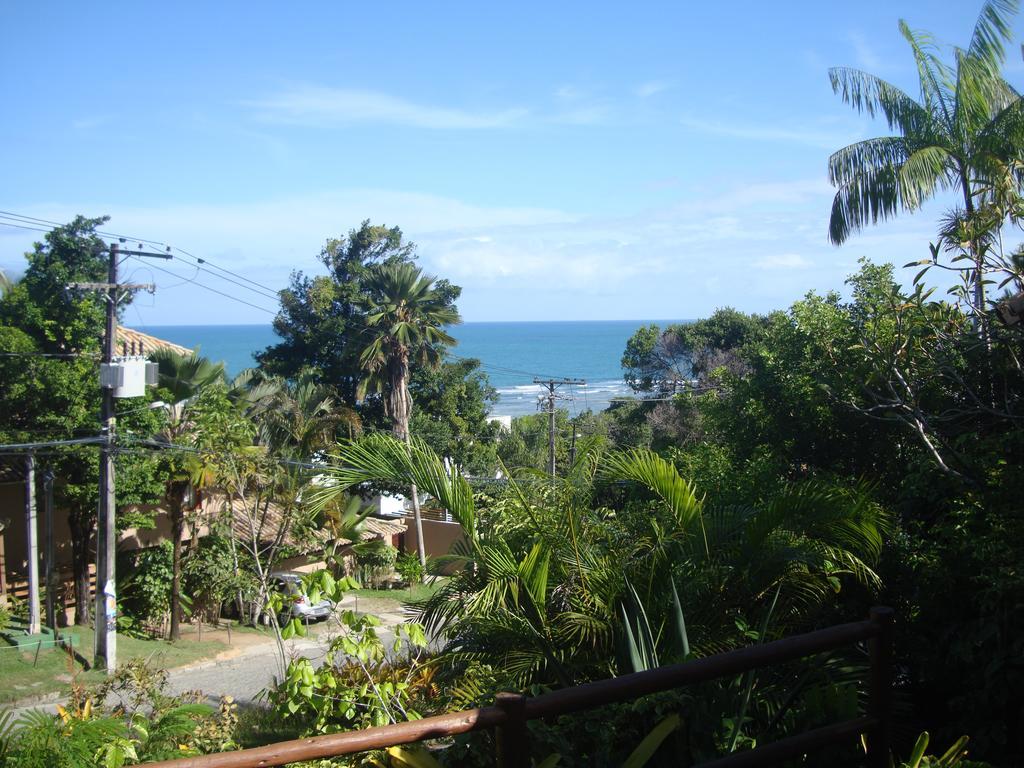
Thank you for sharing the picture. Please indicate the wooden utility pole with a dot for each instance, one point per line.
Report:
(548, 403)
(32, 532)
(49, 572)
(105, 615)
(105, 621)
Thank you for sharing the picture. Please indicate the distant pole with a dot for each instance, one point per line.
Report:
(49, 565)
(32, 533)
(551, 429)
(106, 597)
(549, 400)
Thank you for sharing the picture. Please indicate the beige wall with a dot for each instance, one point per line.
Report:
(12, 511)
(438, 537)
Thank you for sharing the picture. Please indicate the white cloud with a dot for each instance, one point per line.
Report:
(783, 261)
(678, 260)
(576, 106)
(306, 104)
(646, 90)
(864, 54)
(821, 139)
(90, 121)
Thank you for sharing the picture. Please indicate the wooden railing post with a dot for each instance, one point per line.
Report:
(880, 652)
(512, 738)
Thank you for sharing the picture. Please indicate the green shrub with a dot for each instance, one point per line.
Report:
(409, 568)
(146, 592)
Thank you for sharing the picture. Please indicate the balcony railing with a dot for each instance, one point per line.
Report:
(512, 711)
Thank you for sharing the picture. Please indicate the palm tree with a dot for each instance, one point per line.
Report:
(405, 324)
(544, 578)
(298, 418)
(964, 134)
(184, 377)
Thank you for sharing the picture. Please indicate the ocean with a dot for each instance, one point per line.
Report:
(512, 354)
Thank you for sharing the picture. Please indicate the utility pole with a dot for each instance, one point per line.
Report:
(49, 573)
(32, 530)
(105, 621)
(105, 615)
(548, 403)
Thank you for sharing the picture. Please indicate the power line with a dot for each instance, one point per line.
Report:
(274, 292)
(214, 290)
(19, 447)
(23, 226)
(499, 368)
(257, 291)
(49, 354)
(198, 260)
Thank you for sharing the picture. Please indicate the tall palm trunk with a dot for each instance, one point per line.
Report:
(176, 513)
(978, 257)
(400, 406)
(177, 529)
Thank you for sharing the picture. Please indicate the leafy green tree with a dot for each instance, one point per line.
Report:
(322, 318)
(182, 378)
(656, 359)
(964, 134)
(6, 283)
(668, 360)
(526, 446)
(452, 405)
(296, 419)
(51, 388)
(406, 319)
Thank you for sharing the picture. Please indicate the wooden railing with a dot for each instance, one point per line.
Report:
(511, 712)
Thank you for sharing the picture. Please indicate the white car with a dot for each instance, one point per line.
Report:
(296, 603)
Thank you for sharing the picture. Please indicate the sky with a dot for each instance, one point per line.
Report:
(559, 161)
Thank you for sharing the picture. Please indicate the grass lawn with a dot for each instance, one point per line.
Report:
(54, 671)
(406, 595)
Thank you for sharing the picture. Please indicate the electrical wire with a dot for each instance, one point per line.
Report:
(273, 293)
(213, 290)
(501, 369)
(23, 226)
(258, 292)
(50, 354)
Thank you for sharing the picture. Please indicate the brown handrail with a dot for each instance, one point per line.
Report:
(512, 712)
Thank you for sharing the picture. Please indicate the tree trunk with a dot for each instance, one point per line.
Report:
(401, 413)
(977, 256)
(81, 526)
(177, 527)
(420, 547)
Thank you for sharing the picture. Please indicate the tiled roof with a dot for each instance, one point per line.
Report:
(129, 339)
(374, 527)
(271, 515)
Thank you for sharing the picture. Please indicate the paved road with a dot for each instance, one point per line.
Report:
(253, 669)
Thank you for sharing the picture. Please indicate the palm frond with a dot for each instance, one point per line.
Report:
(873, 95)
(937, 80)
(661, 477)
(991, 31)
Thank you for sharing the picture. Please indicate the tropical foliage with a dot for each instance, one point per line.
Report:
(547, 582)
(964, 133)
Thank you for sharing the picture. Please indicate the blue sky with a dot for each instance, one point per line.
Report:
(558, 160)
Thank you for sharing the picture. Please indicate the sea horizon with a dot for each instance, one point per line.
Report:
(511, 352)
